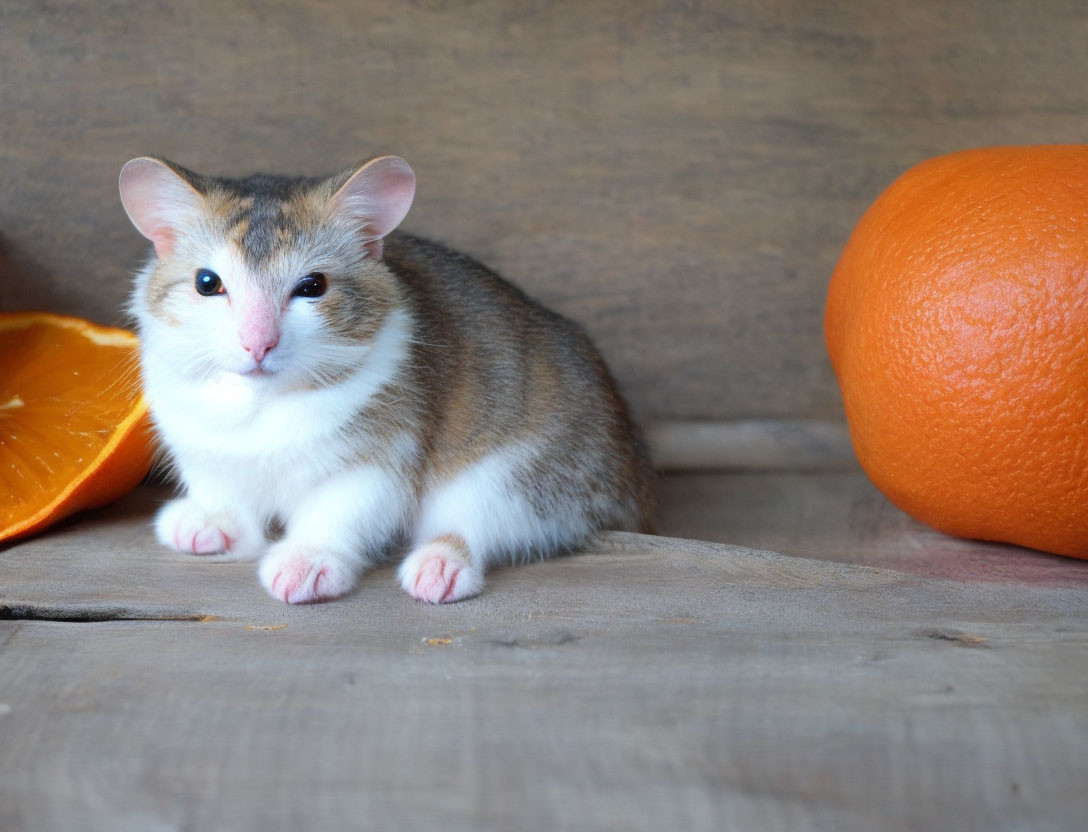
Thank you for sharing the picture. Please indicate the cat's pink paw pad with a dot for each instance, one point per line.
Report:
(436, 580)
(184, 526)
(209, 540)
(439, 573)
(302, 576)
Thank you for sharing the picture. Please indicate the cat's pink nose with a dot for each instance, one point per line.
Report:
(259, 345)
(258, 327)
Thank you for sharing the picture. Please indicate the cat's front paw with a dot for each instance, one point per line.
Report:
(440, 572)
(183, 525)
(298, 574)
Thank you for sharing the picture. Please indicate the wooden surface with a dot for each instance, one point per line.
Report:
(649, 683)
(840, 516)
(751, 445)
(678, 176)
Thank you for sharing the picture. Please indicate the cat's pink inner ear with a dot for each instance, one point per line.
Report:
(156, 200)
(377, 197)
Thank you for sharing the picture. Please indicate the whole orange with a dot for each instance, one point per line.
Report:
(957, 323)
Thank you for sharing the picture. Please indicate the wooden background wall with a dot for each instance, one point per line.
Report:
(679, 177)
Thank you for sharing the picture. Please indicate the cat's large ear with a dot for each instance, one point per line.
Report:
(157, 199)
(376, 197)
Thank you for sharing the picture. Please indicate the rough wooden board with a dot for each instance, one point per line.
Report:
(106, 565)
(840, 516)
(752, 445)
(647, 684)
(678, 176)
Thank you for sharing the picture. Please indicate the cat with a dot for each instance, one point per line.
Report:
(365, 391)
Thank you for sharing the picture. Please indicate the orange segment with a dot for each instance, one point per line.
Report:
(74, 432)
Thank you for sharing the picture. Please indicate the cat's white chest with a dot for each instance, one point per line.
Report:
(233, 419)
(231, 438)
(257, 442)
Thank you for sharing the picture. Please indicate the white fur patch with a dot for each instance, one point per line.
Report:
(232, 416)
(485, 505)
(243, 447)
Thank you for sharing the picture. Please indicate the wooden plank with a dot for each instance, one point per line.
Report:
(113, 569)
(680, 177)
(649, 683)
(763, 445)
(840, 516)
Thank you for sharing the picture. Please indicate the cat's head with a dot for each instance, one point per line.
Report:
(274, 279)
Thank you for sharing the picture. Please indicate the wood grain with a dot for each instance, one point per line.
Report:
(765, 445)
(840, 516)
(680, 177)
(648, 683)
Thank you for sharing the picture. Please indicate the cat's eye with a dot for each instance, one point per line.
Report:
(312, 285)
(208, 283)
